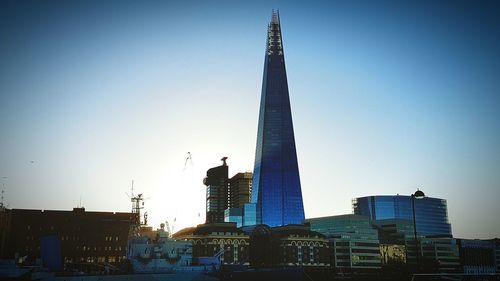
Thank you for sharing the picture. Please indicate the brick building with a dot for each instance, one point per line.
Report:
(96, 238)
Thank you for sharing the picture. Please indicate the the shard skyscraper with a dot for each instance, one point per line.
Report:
(276, 188)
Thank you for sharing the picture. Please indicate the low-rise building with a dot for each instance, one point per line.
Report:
(210, 239)
(426, 253)
(497, 254)
(290, 246)
(85, 238)
(477, 256)
(354, 244)
(5, 216)
(433, 254)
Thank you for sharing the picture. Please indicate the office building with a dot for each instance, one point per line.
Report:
(354, 242)
(428, 254)
(217, 192)
(240, 189)
(276, 182)
(477, 256)
(431, 214)
(434, 254)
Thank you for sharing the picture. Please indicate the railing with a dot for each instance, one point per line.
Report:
(455, 277)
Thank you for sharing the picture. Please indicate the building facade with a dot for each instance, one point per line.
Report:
(353, 241)
(210, 239)
(433, 254)
(234, 215)
(276, 182)
(497, 253)
(394, 231)
(287, 246)
(84, 237)
(425, 254)
(393, 255)
(431, 214)
(5, 216)
(240, 189)
(217, 192)
(477, 256)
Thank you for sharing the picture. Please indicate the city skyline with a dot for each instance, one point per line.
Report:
(385, 100)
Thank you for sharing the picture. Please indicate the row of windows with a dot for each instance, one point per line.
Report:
(377, 251)
(51, 228)
(95, 248)
(110, 238)
(99, 259)
(74, 238)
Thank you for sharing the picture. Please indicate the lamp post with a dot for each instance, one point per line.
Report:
(419, 194)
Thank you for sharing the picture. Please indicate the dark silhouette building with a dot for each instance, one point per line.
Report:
(5, 217)
(85, 238)
(477, 256)
(276, 182)
(290, 245)
(217, 192)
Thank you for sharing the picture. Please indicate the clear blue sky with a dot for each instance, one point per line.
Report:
(386, 96)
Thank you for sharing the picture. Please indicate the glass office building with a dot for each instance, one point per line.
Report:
(354, 242)
(234, 215)
(431, 214)
(276, 183)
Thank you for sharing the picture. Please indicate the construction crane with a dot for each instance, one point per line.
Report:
(189, 159)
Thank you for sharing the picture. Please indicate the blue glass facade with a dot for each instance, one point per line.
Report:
(431, 214)
(249, 214)
(276, 182)
(234, 215)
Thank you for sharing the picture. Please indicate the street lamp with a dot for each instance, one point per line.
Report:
(419, 194)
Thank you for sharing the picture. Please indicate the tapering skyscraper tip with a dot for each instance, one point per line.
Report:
(274, 43)
(276, 17)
